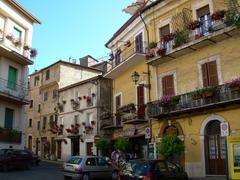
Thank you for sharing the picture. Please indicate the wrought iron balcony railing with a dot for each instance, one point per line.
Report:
(222, 97)
(11, 89)
(10, 136)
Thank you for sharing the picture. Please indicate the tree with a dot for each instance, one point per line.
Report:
(171, 146)
(103, 145)
(123, 145)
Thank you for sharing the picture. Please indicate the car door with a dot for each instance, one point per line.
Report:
(104, 170)
(160, 171)
(91, 167)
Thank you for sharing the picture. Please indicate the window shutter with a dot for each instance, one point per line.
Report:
(212, 73)
(118, 101)
(165, 30)
(203, 11)
(140, 101)
(168, 85)
(205, 75)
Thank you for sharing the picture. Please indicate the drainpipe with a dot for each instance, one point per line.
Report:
(149, 84)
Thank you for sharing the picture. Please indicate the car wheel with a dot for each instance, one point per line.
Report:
(115, 175)
(5, 168)
(67, 178)
(85, 177)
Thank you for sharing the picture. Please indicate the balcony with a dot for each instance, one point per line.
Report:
(10, 136)
(15, 51)
(222, 97)
(184, 42)
(126, 58)
(13, 92)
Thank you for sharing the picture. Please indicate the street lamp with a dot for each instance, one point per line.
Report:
(135, 77)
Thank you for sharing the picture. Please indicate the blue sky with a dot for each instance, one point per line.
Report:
(73, 28)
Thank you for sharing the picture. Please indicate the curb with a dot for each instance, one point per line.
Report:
(51, 161)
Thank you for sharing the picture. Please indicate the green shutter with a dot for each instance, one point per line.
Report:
(12, 78)
(9, 118)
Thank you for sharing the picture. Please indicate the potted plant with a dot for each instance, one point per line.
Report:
(180, 38)
(165, 100)
(197, 94)
(10, 37)
(93, 94)
(217, 18)
(167, 38)
(152, 45)
(208, 92)
(26, 47)
(161, 51)
(176, 99)
(150, 54)
(194, 25)
(234, 84)
(33, 52)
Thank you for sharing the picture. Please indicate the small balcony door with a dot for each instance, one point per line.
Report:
(203, 15)
(141, 101)
(9, 118)
(12, 78)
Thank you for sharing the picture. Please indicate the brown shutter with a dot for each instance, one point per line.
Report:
(205, 75)
(203, 11)
(118, 101)
(140, 101)
(212, 73)
(165, 30)
(168, 85)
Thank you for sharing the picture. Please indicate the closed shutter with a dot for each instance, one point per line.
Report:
(163, 31)
(12, 78)
(203, 11)
(212, 73)
(8, 118)
(205, 75)
(139, 43)
(209, 74)
(140, 101)
(168, 85)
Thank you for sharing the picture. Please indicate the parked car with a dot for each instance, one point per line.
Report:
(152, 170)
(36, 159)
(13, 158)
(88, 167)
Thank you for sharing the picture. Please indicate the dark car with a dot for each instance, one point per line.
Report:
(36, 159)
(152, 170)
(13, 158)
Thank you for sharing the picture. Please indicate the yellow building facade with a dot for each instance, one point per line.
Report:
(189, 81)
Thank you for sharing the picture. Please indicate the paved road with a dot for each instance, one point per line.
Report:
(45, 171)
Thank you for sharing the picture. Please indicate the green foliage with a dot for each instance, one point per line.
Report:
(232, 16)
(123, 145)
(180, 38)
(103, 145)
(170, 146)
(176, 98)
(152, 45)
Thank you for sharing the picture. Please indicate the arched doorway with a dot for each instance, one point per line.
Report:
(215, 149)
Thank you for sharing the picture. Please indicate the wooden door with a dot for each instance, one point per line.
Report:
(89, 148)
(141, 101)
(30, 143)
(215, 150)
(59, 149)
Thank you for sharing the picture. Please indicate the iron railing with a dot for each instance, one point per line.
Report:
(10, 136)
(222, 97)
(12, 89)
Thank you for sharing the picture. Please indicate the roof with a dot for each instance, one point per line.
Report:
(89, 56)
(21, 9)
(67, 63)
(131, 19)
(80, 83)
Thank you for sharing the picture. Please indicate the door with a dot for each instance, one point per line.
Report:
(12, 78)
(59, 150)
(215, 149)
(204, 18)
(75, 146)
(141, 101)
(9, 118)
(37, 146)
(30, 143)
(89, 148)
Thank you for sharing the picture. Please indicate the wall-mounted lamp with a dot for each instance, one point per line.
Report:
(135, 77)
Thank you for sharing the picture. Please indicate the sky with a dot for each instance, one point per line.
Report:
(73, 28)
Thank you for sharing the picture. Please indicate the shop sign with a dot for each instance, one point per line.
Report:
(224, 129)
(147, 133)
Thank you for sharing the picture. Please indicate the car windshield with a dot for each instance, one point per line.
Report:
(140, 168)
(74, 160)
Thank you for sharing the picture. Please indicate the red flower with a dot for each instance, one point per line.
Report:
(84, 97)
(89, 99)
(93, 94)
(33, 53)
(161, 51)
(194, 25)
(218, 15)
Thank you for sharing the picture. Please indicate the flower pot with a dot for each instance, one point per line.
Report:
(234, 89)
(196, 97)
(208, 95)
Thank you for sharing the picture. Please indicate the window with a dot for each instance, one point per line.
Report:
(88, 118)
(168, 85)
(2, 21)
(89, 98)
(141, 101)
(60, 120)
(163, 32)
(30, 123)
(12, 78)
(36, 80)
(139, 43)
(17, 34)
(209, 74)
(91, 162)
(203, 15)
(9, 114)
(54, 93)
(76, 118)
(45, 96)
(117, 57)
(44, 122)
(39, 107)
(101, 162)
(118, 101)
(38, 125)
(51, 119)
(47, 74)
(31, 104)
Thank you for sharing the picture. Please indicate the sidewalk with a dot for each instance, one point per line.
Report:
(210, 178)
(51, 161)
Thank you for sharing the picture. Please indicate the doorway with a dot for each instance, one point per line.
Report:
(30, 143)
(75, 146)
(89, 148)
(215, 149)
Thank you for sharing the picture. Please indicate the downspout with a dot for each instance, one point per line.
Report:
(149, 84)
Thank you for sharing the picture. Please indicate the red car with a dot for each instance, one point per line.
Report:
(13, 158)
